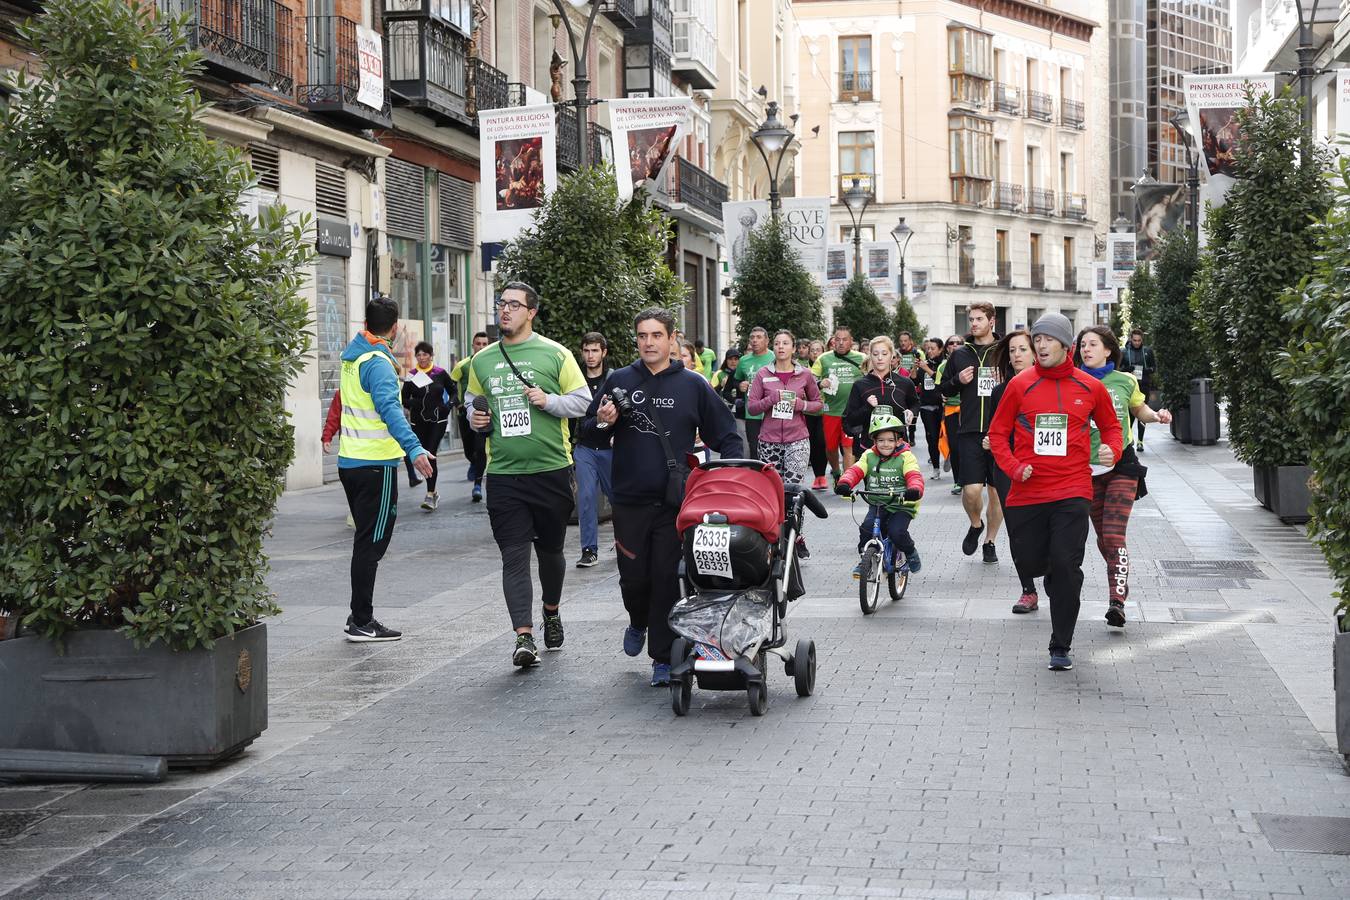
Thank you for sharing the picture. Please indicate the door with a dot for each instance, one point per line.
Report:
(330, 280)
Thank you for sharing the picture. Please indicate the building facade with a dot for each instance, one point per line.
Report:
(1265, 36)
(997, 164)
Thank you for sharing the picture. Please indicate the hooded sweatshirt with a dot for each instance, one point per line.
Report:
(380, 380)
(764, 393)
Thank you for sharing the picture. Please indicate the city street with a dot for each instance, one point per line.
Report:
(938, 758)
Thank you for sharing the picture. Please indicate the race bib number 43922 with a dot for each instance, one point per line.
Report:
(712, 550)
(1051, 435)
(514, 414)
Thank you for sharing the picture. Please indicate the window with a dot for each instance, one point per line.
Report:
(969, 52)
(967, 90)
(855, 68)
(1035, 249)
(972, 151)
(857, 157)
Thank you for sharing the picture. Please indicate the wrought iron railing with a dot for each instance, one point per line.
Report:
(491, 89)
(333, 75)
(1005, 273)
(1005, 196)
(855, 84)
(599, 135)
(620, 12)
(515, 93)
(1041, 106)
(1075, 207)
(1071, 278)
(1071, 113)
(698, 188)
(250, 38)
(569, 151)
(1008, 99)
(1041, 201)
(1038, 275)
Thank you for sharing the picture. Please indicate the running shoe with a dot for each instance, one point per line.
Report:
(588, 558)
(1059, 661)
(937, 474)
(369, 633)
(990, 552)
(915, 564)
(1139, 447)
(432, 500)
(553, 630)
(526, 653)
(660, 674)
(477, 495)
(946, 464)
(1115, 615)
(633, 639)
(1026, 603)
(972, 539)
(820, 484)
(956, 489)
(802, 551)
(857, 572)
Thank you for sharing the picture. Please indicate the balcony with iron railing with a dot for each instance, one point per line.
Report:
(491, 90)
(1041, 106)
(240, 40)
(695, 51)
(1038, 276)
(599, 136)
(1008, 99)
(965, 270)
(620, 12)
(855, 86)
(428, 68)
(1071, 114)
(864, 179)
(1071, 279)
(1005, 273)
(569, 151)
(333, 75)
(1041, 201)
(456, 13)
(515, 93)
(697, 188)
(1005, 196)
(1075, 207)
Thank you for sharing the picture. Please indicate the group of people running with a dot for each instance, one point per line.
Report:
(1036, 427)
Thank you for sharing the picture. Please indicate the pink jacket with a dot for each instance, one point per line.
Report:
(764, 394)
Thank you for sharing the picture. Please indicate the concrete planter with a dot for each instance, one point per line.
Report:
(1341, 676)
(1181, 425)
(1289, 496)
(1261, 485)
(103, 695)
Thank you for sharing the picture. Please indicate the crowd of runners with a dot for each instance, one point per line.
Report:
(1036, 429)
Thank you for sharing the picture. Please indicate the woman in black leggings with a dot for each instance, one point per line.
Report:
(427, 390)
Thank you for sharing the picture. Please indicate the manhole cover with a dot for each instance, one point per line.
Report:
(1235, 616)
(1306, 834)
(1207, 584)
(1205, 568)
(13, 824)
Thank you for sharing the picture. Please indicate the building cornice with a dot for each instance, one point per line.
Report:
(320, 134)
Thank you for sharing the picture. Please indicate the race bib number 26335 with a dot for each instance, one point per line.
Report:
(712, 550)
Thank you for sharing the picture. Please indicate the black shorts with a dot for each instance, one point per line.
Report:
(526, 508)
(975, 465)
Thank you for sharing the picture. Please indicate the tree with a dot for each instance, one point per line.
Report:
(1177, 344)
(596, 262)
(1143, 300)
(772, 289)
(907, 320)
(148, 332)
(860, 311)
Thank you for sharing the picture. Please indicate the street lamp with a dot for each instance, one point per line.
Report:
(1120, 224)
(1182, 123)
(581, 82)
(772, 140)
(857, 198)
(901, 234)
(1306, 53)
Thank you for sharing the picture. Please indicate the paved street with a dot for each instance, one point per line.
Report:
(938, 758)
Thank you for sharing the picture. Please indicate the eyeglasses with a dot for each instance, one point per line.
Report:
(512, 305)
(956, 343)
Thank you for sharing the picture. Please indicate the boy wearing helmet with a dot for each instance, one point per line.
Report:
(889, 465)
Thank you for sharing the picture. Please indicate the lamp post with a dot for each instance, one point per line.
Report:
(1182, 123)
(772, 140)
(901, 234)
(581, 81)
(857, 198)
(1306, 53)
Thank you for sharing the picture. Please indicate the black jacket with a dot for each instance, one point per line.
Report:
(929, 397)
(687, 404)
(1139, 359)
(433, 402)
(594, 442)
(976, 411)
(897, 392)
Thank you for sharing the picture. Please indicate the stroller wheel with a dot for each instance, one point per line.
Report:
(758, 694)
(804, 668)
(681, 689)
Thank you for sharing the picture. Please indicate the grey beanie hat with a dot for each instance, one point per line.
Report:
(1056, 326)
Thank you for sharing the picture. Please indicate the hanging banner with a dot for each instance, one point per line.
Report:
(646, 133)
(838, 261)
(370, 68)
(1212, 102)
(807, 220)
(1342, 100)
(919, 279)
(1103, 291)
(518, 163)
(1120, 258)
(879, 266)
(1158, 209)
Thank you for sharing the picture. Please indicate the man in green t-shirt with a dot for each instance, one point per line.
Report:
(758, 357)
(521, 390)
(837, 369)
(707, 356)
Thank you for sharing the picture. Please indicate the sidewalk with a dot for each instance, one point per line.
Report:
(938, 758)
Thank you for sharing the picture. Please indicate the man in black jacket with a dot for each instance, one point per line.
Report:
(1138, 361)
(683, 403)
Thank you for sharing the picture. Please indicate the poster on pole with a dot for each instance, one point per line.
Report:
(518, 166)
(1158, 210)
(369, 68)
(647, 133)
(1212, 103)
(1342, 100)
(919, 279)
(879, 266)
(1120, 258)
(807, 220)
(1103, 291)
(838, 260)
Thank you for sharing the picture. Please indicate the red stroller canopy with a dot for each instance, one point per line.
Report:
(746, 496)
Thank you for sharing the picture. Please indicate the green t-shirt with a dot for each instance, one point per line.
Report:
(748, 366)
(888, 474)
(1125, 396)
(525, 440)
(908, 359)
(709, 362)
(947, 399)
(842, 372)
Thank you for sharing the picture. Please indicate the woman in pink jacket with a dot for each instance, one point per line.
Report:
(783, 393)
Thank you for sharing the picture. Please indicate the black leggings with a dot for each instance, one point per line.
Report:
(815, 430)
(953, 423)
(429, 435)
(931, 416)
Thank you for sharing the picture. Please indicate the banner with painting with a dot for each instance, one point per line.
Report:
(518, 167)
(807, 220)
(1212, 103)
(1103, 291)
(879, 266)
(1120, 258)
(1158, 209)
(1342, 100)
(647, 133)
(838, 261)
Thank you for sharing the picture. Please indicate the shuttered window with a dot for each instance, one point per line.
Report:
(405, 198)
(456, 212)
(266, 163)
(330, 190)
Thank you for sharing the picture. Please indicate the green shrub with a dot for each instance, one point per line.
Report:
(148, 332)
(1142, 303)
(772, 289)
(907, 320)
(1177, 346)
(595, 262)
(861, 311)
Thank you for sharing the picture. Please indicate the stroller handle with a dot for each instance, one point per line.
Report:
(810, 500)
(736, 464)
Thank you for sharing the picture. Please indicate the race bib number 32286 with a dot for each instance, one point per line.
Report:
(712, 550)
(514, 414)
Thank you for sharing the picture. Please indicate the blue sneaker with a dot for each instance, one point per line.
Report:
(915, 564)
(857, 572)
(1059, 661)
(633, 639)
(477, 495)
(660, 674)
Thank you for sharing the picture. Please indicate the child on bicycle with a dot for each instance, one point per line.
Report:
(890, 465)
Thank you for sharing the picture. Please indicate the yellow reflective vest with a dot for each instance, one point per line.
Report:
(364, 434)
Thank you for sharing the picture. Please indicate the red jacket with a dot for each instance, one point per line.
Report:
(1061, 390)
(334, 420)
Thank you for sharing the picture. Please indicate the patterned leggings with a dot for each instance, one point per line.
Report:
(791, 459)
(1112, 501)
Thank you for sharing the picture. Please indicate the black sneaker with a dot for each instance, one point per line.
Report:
(1115, 615)
(553, 630)
(990, 553)
(588, 558)
(972, 539)
(371, 632)
(802, 552)
(526, 653)
(1060, 661)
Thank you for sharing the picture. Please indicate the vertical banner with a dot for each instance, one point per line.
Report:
(807, 220)
(838, 259)
(370, 68)
(919, 279)
(1212, 102)
(1103, 291)
(647, 133)
(518, 163)
(879, 266)
(1120, 258)
(739, 220)
(1158, 209)
(1342, 100)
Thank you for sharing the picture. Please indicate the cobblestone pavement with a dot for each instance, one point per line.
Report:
(938, 758)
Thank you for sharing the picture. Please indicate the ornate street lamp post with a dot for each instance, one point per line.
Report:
(857, 198)
(581, 81)
(772, 140)
(902, 234)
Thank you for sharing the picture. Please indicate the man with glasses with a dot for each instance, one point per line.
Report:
(529, 386)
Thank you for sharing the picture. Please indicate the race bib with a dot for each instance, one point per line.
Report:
(783, 408)
(513, 416)
(830, 389)
(984, 381)
(712, 550)
(928, 383)
(1051, 434)
(1139, 372)
(420, 379)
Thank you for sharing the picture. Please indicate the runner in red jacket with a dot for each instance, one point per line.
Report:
(1046, 411)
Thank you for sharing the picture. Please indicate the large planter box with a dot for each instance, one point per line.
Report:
(1289, 497)
(103, 695)
(1261, 485)
(1181, 425)
(1341, 678)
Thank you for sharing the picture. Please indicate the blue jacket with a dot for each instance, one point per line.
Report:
(688, 404)
(381, 382)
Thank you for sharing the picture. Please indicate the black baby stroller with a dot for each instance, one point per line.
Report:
(740, 571)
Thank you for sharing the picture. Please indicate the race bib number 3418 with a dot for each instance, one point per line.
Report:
(1051, 435)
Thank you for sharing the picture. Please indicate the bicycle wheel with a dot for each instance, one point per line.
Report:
(897, 580)
(869, 580)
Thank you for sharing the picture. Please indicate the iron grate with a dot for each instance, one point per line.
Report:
(1306, 834)
(1211, 584)
(1235, 616)
(1209, 568)
(15, 823)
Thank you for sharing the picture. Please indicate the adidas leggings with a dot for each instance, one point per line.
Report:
(1112, 501)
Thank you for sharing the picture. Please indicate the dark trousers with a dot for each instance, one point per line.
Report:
(815, 431)
(649, 558)
(931, 416)
(953, 423)
(372, 498)
(1049, 539)
(429, 435)
(525, 510)
(475, 447)
(752, 427)
(894, 525)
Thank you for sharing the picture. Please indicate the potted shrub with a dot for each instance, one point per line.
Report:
(149, 332)
(1176, 341)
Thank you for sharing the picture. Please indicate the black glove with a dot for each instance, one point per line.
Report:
(842, 489)
(912, 494)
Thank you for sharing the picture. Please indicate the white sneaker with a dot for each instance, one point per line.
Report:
(431, 501)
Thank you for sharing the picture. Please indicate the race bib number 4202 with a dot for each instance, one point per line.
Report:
(1051, 434)
(514, 415)
(712, 550)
